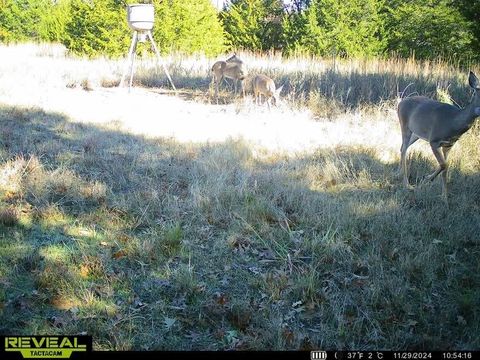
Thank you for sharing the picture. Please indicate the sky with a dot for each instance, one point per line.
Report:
(218, 3)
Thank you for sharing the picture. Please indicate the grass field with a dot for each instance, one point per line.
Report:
(155, 221)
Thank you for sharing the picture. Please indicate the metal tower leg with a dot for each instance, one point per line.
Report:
(132, 70)
(150, 37)
(130, 59)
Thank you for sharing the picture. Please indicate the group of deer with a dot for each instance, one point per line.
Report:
(234, 68)
(440, 124)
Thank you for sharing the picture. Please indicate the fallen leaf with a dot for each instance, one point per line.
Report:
(84, 270)
(57, 321)
(138, 303)
(192, 335)
(62, 303)
(124, 238)
(298, 303)
(240, 317)
(461, 320)
(74, 310)
(169, 322)
(221, 299)
(119, 254)
(288, 336)
(231, 335)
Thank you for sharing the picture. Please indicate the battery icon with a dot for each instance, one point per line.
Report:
(318, 355)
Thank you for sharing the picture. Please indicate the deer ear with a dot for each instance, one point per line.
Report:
(279, 90)
(473, 81)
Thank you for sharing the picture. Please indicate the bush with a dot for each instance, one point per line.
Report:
(97, 28)
(188, 27)
(444, 31)
(39, 20)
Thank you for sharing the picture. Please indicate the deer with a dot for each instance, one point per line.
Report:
(263, 85)
(232, 68)
(440, 124)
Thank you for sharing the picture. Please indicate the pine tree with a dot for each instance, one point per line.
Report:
(470, 9)
(428, 29)
(188, 27)
(302, 33)
(337, 27)
(254, 24)
(38, 20)
(351, 27)
(97, 28)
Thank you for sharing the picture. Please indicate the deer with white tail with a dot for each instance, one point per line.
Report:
(438, 123)
(263, 85)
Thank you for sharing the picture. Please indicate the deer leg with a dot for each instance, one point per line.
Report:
(407, 140)
(218, 80)
(446, 150)
(212, 84)
(441, 161)
(215, 83)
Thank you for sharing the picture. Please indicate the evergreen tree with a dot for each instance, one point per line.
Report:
(429, 28)
(470, 9)
(254, 24)
(351, 27)
(38, 20)
(97, 28)
(188, 27)
(337, 27)
(53, 20)
(302, 34)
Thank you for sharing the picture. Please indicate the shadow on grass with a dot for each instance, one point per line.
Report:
(154, 245)
(351, 91)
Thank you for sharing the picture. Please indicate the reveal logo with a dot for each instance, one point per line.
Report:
(51, 347)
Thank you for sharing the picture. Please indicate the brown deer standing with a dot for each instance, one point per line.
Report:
(232, 68)
(263, 85)
(438, 123)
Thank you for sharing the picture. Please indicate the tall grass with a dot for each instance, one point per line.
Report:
(151, 243)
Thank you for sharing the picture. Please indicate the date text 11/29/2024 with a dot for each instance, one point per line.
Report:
(405, 355)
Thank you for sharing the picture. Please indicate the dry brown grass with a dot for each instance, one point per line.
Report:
(155, 240)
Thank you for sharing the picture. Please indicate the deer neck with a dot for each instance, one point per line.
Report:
(466, 117)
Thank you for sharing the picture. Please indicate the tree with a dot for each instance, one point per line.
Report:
(352, 27)
(97, 28)
(429, 29)
(254, 24)
(343, 27)
(188, 27)
(39, 20)
(53, 19)
(302, 34)
(470, 9)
